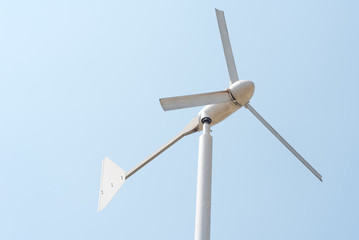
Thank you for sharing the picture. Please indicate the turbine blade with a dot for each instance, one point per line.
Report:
(112, 178)
(233, 75)
(192, 127)
(281, 139)
(194, 100)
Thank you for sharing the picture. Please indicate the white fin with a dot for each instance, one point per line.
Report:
(112, 178)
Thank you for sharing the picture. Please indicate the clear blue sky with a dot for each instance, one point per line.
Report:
(80, 80)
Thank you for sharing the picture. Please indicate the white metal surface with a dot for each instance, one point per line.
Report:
(233, 75)
(194, 100)
(112, 178)
(282, 140)
(204, 185)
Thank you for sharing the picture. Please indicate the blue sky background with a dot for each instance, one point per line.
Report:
(80, 80)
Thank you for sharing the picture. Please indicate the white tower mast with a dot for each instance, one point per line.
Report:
(204, 183)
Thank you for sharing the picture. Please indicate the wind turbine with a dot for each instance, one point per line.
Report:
(219, 105)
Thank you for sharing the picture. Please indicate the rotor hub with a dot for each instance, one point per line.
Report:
(242, 91)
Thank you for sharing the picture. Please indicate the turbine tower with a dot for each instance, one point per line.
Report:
(219, 105)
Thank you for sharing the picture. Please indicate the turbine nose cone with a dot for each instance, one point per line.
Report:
(242, 91)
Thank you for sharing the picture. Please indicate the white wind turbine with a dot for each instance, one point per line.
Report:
(219, 105)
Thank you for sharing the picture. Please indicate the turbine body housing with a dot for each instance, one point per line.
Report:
(241, 92)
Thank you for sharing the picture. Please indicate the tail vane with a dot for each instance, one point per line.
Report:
(112, 178)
